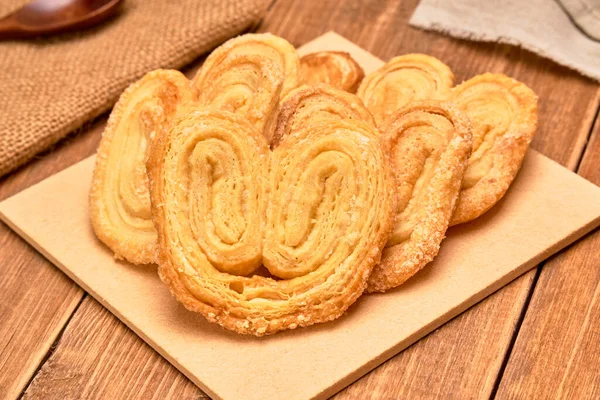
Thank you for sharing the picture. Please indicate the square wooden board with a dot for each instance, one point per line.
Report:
(547, 208)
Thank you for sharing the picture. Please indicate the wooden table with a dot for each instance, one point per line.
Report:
(538, 337)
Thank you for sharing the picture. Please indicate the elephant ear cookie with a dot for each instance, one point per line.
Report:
(317, 211)
(248, 75)
(430, 144)
(504, 115)
(308, 105)
(119, 197)
(404, 79)
(335, 68)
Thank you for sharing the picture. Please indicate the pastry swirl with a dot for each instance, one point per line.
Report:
(119, 197)
(323, 201)
(248, 75)
(404, 79)
(504, 115)
(335, 68)
(308, 105)
(430, 143)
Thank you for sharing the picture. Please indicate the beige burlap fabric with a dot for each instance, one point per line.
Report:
(49, 87)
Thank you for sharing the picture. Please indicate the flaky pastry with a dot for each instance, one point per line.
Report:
(309, 105)
(119, 197)
(404, 79)
(335, 68)
(430, 144)
(504, 115)
(317, 212)
(249, 75)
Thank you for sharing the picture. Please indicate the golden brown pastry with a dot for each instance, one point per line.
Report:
(404, 79)
(308, 105)
(335, 68)
(248, 75)
(503, 112)
(324, 207)
(119, 198)
(430, 143)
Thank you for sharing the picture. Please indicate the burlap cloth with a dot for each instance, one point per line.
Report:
(49, 87)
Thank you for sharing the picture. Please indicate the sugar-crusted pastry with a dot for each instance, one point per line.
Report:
(335, 68)
(430, 144)
(119, 198)
(248, 75)
(324, 207)
(404, 79)
(504, 115)
(308, 105)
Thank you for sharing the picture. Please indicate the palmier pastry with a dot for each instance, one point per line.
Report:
(430, 144)
(248, 75)
(308, 105)
(317, 212)
(335, 68)
(503, 112)
(119, 198)
(404, 79)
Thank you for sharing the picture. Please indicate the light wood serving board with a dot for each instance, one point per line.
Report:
(547, 208)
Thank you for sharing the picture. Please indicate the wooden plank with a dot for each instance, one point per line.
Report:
(37, 299)
(381, 27)
(557, 351)
(102, 355)
(454, 361)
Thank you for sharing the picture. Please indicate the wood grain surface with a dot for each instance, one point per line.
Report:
(98, 344)
(95, 356)
(557, 351)
(37, 298)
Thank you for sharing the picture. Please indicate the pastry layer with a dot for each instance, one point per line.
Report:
(309, 105)
(119, 198)
(404, 79)
(430, 144)
(248, 75)
(335, 68)
(317, 211)
(504, 115)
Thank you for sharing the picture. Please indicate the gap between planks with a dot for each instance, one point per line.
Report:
(595, 119)
(53, 346)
